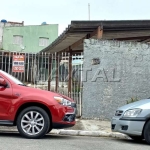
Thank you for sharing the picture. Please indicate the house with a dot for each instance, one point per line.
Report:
(4, 23)
(29, 39)
(115, 63)
(87, 59)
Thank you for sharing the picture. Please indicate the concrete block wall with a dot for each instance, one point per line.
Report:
(121, 72)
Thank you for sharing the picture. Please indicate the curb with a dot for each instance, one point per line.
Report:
(80, 133)
(89, 133)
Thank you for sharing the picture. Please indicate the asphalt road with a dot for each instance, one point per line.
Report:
(13, 141)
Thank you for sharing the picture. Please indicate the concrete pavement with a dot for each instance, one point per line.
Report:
(14, 141)
(83, 127)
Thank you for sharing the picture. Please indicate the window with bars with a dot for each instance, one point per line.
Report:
(17, 39)
(43, 41)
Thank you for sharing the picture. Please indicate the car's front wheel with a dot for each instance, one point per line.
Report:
(50, 129)
(33, 122)
(147, 132)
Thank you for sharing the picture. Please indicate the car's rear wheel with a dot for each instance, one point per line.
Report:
(147, 132)
(136, 138)
(33, 122)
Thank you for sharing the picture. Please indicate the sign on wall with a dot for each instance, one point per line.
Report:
(18, 63)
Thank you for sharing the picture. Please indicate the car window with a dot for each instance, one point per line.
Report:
(15, 80)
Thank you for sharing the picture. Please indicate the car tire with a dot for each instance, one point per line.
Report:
(146, 132)
(49, 130)
(33, 122)
(136, 138)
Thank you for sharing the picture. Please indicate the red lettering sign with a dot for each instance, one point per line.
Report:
(18, 63)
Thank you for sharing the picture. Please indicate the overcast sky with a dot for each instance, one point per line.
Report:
(34, 12)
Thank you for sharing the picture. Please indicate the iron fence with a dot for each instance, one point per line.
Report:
(58, 72)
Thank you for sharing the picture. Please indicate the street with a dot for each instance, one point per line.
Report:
(13, 141)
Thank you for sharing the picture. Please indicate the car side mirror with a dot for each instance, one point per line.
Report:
(3, 82)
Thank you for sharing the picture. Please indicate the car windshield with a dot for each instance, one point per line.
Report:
(12, 78)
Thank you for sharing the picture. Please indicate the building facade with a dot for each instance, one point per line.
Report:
(29, 39)
(3, 24)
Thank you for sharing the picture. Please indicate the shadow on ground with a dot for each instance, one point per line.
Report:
(130, 141)
(6, 134)
(49, 136)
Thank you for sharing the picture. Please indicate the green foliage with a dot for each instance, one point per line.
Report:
(133, 99)
(76, 86)
(76, 89)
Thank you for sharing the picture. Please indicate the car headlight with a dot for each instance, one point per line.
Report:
(62, 101)
(132, 112)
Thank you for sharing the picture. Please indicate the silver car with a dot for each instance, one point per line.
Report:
(134, 120)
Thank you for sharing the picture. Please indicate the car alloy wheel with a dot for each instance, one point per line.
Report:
(33, 122)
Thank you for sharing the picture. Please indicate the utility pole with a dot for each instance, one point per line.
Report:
(89, 10)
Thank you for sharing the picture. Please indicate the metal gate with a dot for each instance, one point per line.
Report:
(58, 72)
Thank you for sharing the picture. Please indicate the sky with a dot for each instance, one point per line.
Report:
(34, 12)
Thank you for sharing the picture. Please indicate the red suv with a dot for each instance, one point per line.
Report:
(35, 112)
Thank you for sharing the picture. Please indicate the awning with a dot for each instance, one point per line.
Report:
(73, 37)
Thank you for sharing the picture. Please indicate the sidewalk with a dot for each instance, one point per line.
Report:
(93, 128)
